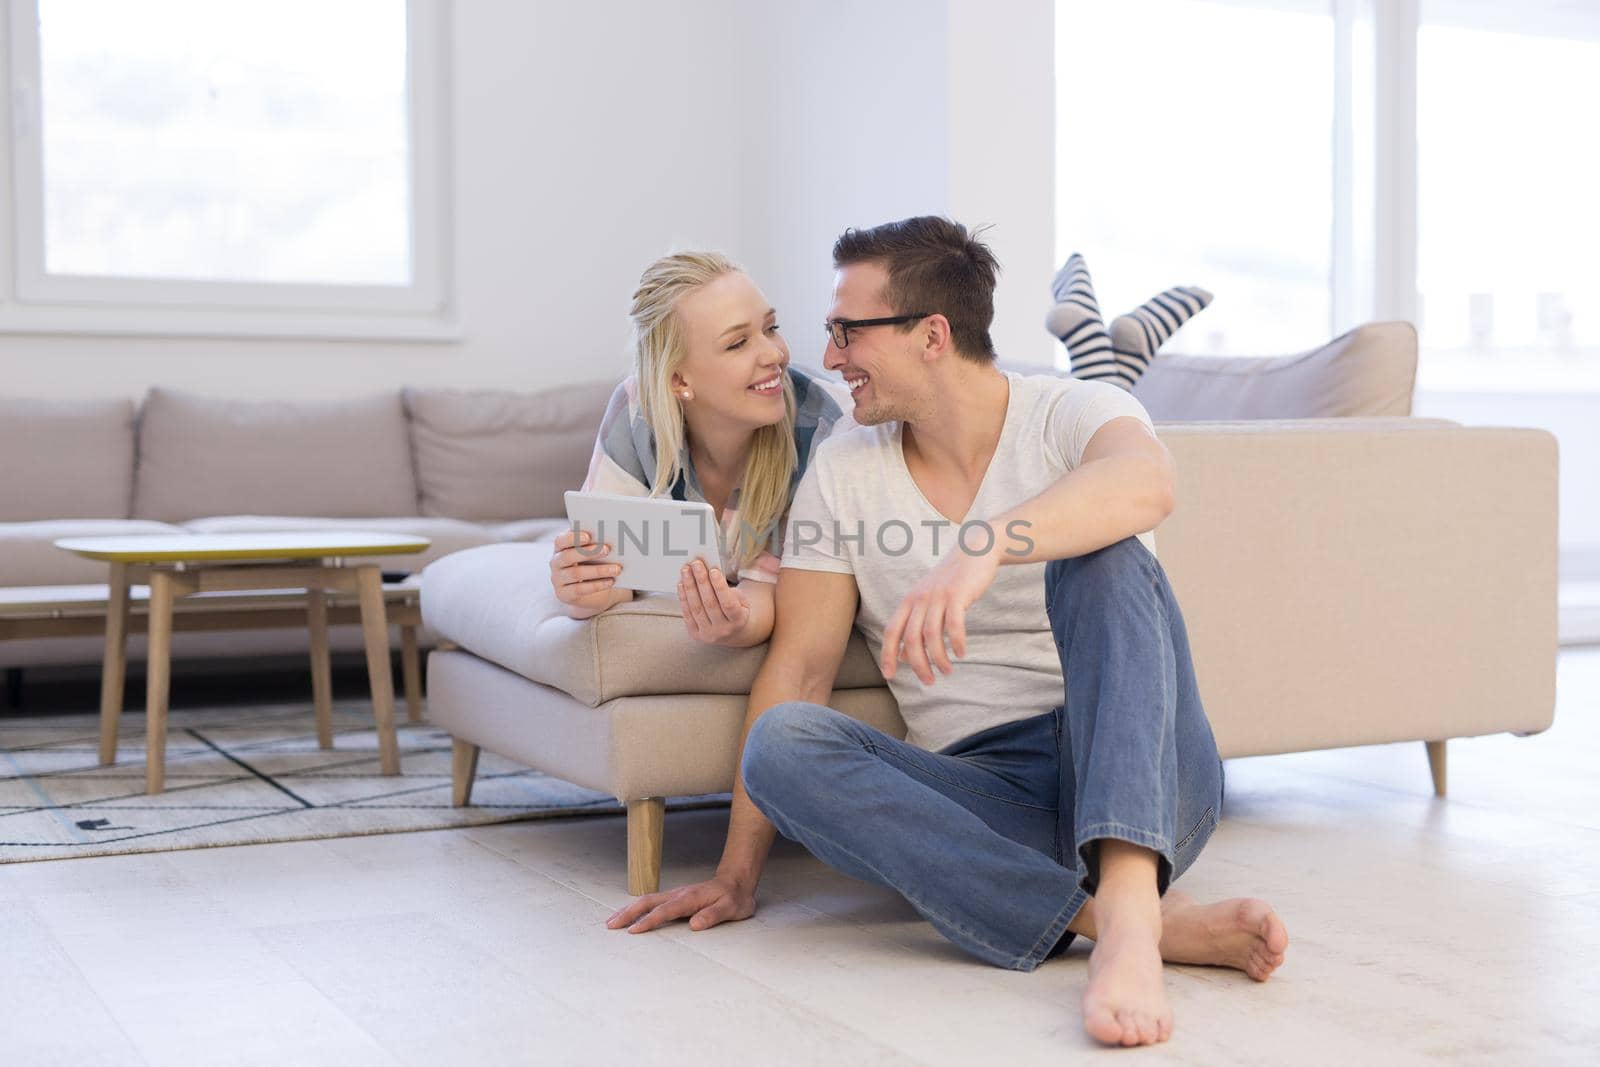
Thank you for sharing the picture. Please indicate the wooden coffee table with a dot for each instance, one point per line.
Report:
(184, 565)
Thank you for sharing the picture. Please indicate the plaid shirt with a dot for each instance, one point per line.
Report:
(624, 459)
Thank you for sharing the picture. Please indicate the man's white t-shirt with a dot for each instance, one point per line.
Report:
(858, 512)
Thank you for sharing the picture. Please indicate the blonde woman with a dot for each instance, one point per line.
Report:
(713, 412)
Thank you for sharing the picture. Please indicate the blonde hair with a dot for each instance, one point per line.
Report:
(661, 345)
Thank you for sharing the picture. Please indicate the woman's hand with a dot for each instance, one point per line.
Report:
(713, 611)
(582, 576)
(935, 608)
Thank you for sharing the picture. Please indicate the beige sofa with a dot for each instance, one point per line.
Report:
(462, 468)
(1345, 581)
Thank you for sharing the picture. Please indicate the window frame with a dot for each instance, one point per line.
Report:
(1375, 162)
(32, 300)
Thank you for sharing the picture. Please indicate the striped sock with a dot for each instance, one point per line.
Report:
(1075, 321)
(1136, 335)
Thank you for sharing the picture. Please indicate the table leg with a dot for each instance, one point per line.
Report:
(411, 670)
(463, 769)
(158, 680)
(321, 672)
(114, 668)
(375, 630)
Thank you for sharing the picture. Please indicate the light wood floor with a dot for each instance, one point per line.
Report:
(1459, 931)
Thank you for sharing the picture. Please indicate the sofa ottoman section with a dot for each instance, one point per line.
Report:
(640, 749)
(626, 703)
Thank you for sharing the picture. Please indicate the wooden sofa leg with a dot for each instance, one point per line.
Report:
(1436, 764)
(463, 768)
(646, 820)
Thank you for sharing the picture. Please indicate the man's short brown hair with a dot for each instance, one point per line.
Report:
(935, 267)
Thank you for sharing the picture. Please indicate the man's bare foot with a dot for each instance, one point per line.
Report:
(1242, 933)
(1126, 1002)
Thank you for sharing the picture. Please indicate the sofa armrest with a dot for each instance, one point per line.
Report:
(1346, 583)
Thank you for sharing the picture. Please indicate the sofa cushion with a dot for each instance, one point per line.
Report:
(447, 535)
(201, 456)
(497, 603)
(501, 455)
(28, 555)
(66, 459)
(527, 529)
(1369, 371)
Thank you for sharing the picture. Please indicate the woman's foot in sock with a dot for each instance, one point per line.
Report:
(1136, 336)
(1075, 321)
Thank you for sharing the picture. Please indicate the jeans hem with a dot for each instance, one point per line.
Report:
(1158, 843)
(1031, 959)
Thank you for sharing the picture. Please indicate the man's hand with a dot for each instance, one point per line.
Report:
(713, 611)
(705, 904)
(937, 607)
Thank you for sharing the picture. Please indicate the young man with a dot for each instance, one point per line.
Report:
(1005, 517)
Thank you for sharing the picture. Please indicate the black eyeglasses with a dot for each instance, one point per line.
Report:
(839, 329)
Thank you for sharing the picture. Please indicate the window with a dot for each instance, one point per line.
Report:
(265, 163)
(1503, 102)
(1237, 123)
(1194, 147)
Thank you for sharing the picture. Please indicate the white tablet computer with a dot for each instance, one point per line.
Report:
(651, 537)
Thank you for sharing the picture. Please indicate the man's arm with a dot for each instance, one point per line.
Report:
(1124, 485)
(815, 610)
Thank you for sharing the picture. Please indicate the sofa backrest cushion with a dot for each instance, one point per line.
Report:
(65, 459)
(495, 456)
(201, 456)
(1369, 371)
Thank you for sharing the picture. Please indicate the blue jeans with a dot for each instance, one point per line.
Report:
(992, 839)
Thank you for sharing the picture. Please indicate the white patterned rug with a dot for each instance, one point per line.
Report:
(247, 775)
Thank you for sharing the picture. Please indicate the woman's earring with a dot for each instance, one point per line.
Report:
(687, 395)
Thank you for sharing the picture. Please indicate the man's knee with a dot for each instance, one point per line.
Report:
(1098, 573)
(773, 746)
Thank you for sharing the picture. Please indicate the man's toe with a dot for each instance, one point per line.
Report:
(1102, 1025)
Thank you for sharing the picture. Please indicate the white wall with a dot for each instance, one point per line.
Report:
(845, 124)
(589, 138)
(1002, 157)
